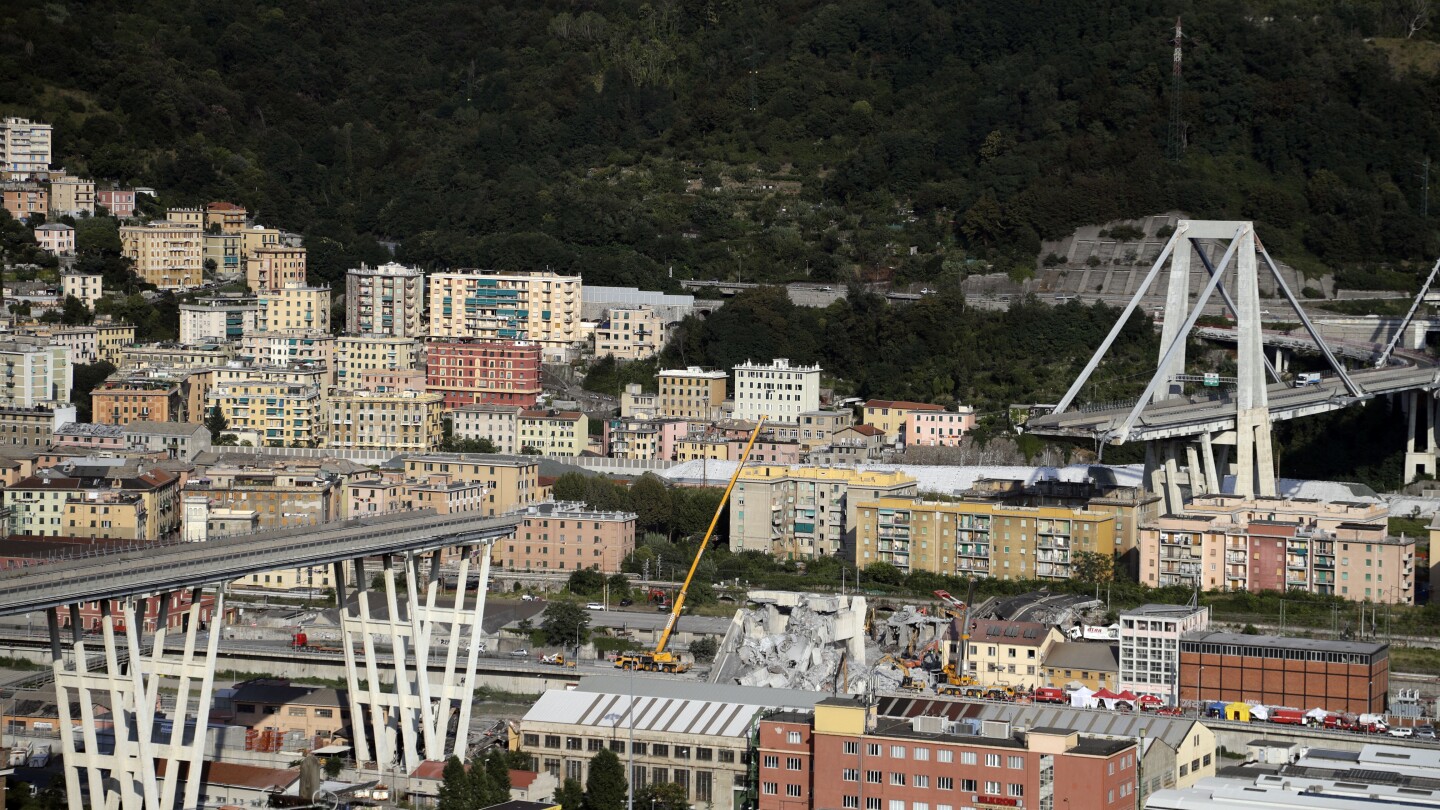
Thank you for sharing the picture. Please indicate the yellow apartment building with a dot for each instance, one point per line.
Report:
(169, 255)
(186, 216)
(552, 432)
(510, 481)
(402, 421)
(224, 250)
(293, 308)
(228, 217)
(111, 337)
(690, 393)
(541, 307)
(271, 266)
(283, 414)
(357, 355)
(105, 513)
(630, 333)
(980, 539)
(802, 513)
(71, 196)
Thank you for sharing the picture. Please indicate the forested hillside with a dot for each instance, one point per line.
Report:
(769, 140)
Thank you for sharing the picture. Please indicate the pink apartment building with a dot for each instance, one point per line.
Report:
(938, 428)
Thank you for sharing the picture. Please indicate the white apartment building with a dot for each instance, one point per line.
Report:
(223, 318)
(540, 307)
(1150, 647)
(86, 287)
(498, 423)
(779, 391)
(385, 300)
(34, 370)
(25, 148)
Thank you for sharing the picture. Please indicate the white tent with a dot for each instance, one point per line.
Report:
(1259, 712)
(1083, 697)
(1318, 715)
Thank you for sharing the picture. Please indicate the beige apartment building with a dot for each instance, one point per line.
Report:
(33, 371)
(357, 355)
(801, 513)
(281, 496)
(567, 537)
(258, 238)
(270, 265)
(84, 287)
(691, 393)
(445, 497)
(511, 482)
(1004, 653)
(631, 333)
(997, 540)
(294, 307)
(224, 250)
(72, 197)
(816, 427)
(282, 414)
(500, 424)
(402, 421)
(170, 355)
(228, 217)
(186, 216)
(540, 307)
(166, 254)
(892, 416)
(112, 514)
(111, 337)
(385, 300)
(552, 432)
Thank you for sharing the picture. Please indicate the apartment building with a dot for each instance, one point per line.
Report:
(938, 428)
(56, 238)
(34, 371)
(314, 349)
(33, 427)
(445, 497)
(778, 391)
(717, 446)
(1274, 544)
(125, 400)
(540, 307)
(1150, 647)
(636, 403)
(204, 354)
(90, 436)
(801, 513)
(120, 202)
(385, 300)
(71, 197)
(225, 317)
(815, 428)
(483, 372)
(566, 537)
(631, 333)
(1338, 676)
(281, 495)
(1094, 666)
(111, 337)
(225, 252)
(24, 199)
(690, 393)
(357, 355)
(167, 254)
(553, 433)
(282, 414)
(227, 217)
(892, 416)
(80, 340)
(412, 380)
(499, 424)
(840, 756)
(270, 266)
(25, 148)
(178, 440)
(402, 421)
(511, 482)
(1009, 653)
(132, 503)
(294, 307)
(84, 287)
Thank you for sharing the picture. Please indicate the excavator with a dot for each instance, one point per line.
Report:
(908, 681)
(661, 659)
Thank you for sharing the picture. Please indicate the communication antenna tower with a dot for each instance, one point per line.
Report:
(1175, 149)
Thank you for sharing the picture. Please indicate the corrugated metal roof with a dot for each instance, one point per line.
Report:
(657, 714)
(1170, 730)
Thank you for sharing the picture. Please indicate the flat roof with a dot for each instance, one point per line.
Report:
(1286, 642)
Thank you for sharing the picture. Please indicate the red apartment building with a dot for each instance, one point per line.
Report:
(844, 758)
(479, 372)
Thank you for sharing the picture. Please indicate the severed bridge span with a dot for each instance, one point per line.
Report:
(1192, 440)
(414, 714)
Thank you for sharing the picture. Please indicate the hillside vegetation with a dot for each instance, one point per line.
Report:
(721, 138)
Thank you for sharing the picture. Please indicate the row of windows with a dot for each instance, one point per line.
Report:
(699, 753)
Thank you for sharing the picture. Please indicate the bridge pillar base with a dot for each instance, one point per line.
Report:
(1177, 470)
(1254, 457)
(1422, 414)
(409, 716)
(118, 768)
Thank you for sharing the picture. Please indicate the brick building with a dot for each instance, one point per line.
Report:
(841, 757)
(480, 372)
(1303, 673)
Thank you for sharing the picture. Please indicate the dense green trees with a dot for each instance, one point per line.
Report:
(605, 786)
(794, 139)
(565, 624)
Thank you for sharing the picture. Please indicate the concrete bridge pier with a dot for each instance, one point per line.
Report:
(118, 768)
(1422, 412)
(1178, 469)
(1280, 358)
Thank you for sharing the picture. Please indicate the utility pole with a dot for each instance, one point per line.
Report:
(1425, 187)
(1175, 148)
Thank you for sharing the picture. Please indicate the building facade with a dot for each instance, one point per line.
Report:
(1006, 653)
(282, 414)
(630, 333)
(24, 199)
(553, 433)
(1150, 647)
(568, 537)
(938, 428)
(84, 287)
(778, 392)
(540, 307)
(483, 372)
(34, 371)
(169, 255)
(892, 416)
(220, 318)
(402, 421)
(498, 424)
(1338, 676)
(270, 266)
(72, 197)
(120, 202)
(690, 393)
(294, 307)
(56, 238)
(800, 513)
(385, 300)
(358, 355)
(25, 148)
(511, 482)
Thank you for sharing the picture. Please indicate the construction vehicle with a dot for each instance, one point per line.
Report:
(907, 681)
(558, 659)
(661, 659)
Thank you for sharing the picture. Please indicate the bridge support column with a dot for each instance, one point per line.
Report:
(1254, 457)
(119, 768)
(1421, 417)
(409, 715)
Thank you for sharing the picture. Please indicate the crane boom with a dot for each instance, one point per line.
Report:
(705, 541)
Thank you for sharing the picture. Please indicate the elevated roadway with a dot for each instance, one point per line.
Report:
(194, 565)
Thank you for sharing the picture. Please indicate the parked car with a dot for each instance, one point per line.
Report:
(1402, 731)
(1426, 732)
(626, 602)
(529, 597)
(520, 653)
(594, 606)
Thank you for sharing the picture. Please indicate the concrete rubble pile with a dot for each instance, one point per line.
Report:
(909, 629)
(801, 641)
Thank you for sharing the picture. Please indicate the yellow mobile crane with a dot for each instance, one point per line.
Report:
(660, 659)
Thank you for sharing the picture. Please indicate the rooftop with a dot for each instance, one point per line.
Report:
(1287, 643)
(163, 428)
(1021, 634)
(903, 405)
(1171, 611)
(90, 429)
(1083, 655)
